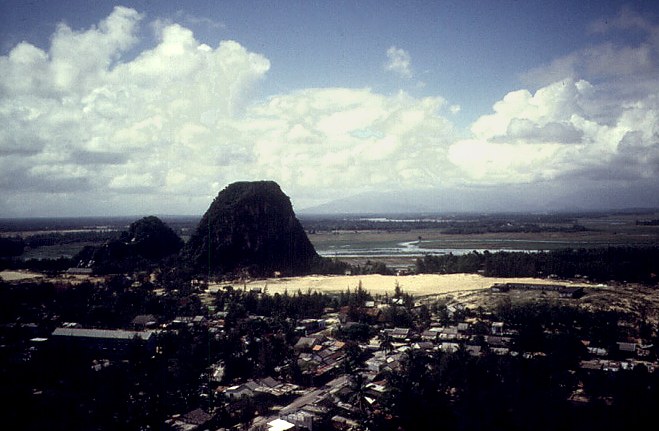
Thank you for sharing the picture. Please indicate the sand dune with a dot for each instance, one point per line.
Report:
(417, 285)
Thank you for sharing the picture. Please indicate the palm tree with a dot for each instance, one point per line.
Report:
(358, 397)
(385, 343)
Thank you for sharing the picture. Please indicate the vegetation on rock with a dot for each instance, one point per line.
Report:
(147, 240)
(251, 226)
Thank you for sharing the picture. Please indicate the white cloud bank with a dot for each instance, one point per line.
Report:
(597, 122)
(86, 131)
(168, 129)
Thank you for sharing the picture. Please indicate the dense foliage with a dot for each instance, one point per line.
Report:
(60, 238)
(492, 392)
(148, 240)
(11, 247)
(639, 264)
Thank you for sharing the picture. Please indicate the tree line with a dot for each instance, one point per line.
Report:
(632, 264)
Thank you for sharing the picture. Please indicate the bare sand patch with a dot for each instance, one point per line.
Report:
(416, 285)
(8, 275)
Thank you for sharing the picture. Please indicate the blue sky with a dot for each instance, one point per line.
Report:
(154, 106)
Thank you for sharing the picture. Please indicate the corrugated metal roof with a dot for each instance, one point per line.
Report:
(118, 334)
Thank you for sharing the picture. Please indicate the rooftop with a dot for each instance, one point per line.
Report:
(118, 334)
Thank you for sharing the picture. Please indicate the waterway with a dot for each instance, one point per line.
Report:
(420, 248)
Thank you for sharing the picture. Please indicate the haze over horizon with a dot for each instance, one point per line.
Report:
(144, 107)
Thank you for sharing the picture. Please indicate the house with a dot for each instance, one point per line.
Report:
(279, 425)
(497, 341)
(240, 391)
(191, 421)
(375, 390)
(423, 345)
(306, 409)
(590, 365)
(250, 388)
(375, 364)
(398, 333)
(454, 308)
(111, 342)
(430, 335)
(311, 325)
(144, 321)
(301, 419)
(448, 333)
(644, 350)
(306, 343)
(497, 328)
(199, 320)
(449, 347)
(373, 314)
(79, 271)
(597, 351)
(342, 423)
(181, 321)
(626, 348)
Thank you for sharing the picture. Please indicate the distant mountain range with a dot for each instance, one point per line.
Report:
(508, 198)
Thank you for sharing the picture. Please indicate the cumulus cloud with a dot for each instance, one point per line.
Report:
(561, 132)
(171, 126)
(399, 62)
(87, 130)
(348, 139)
(558, 132)
(597, 121)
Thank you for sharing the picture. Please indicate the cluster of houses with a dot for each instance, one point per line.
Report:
(320, 356)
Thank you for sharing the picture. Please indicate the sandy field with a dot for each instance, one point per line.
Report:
(417, 285)
(19, 275)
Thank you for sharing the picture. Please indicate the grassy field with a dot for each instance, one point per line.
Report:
(601, 231)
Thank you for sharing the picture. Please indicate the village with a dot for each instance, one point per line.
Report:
(338, 368)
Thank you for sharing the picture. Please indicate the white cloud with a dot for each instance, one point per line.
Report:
(194, 20)
(167, 126)
(165, 130)
(399, 61)
(560, 132)
(597, 121)
(633, 62)
(341, 139)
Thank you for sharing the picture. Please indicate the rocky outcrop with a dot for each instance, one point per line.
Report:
(147, 241)
(250, 226)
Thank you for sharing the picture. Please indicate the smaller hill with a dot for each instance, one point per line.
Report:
(152, 239)
(147, 241)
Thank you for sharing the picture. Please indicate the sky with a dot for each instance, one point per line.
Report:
(153, 107)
